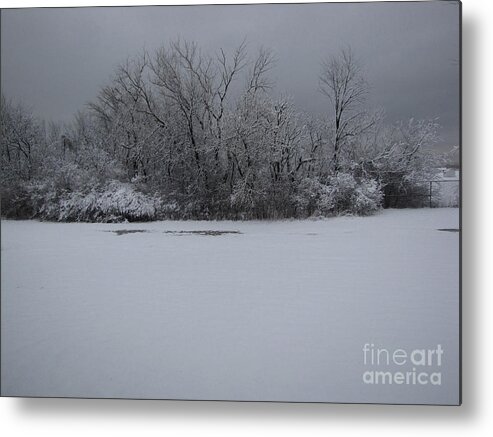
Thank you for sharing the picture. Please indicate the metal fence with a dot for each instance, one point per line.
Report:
(432, 194)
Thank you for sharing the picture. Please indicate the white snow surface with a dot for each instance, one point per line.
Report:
(279, 312)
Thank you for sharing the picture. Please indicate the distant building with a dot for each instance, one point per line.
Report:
(450, 173)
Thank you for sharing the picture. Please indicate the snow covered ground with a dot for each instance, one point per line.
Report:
(279, 311)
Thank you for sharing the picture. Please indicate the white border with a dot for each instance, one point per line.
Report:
(129, 418)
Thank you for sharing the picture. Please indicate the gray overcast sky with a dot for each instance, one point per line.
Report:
(55, 60)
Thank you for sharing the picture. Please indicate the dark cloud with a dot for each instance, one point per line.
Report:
(56, 59)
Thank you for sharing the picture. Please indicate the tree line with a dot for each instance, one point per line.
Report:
(182, 134)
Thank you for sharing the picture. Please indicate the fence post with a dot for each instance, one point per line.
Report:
(431, 182)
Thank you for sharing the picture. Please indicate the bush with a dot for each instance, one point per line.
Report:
(341, 194)
(16, 202)
(311, 198)
(367, 198)
(401, 191)
(113, 202)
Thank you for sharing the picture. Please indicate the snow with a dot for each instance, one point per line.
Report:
(279, 311)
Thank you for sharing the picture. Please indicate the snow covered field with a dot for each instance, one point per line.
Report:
(279, 311)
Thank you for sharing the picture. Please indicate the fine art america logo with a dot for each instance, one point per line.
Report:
(401, 366)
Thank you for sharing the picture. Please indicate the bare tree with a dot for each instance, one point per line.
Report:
(342, 81)
(20, 138)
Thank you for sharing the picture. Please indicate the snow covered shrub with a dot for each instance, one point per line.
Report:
(15, 201)
(45, 199)
(114, 202)
(349, 195)
(342, 188)
(367, 198)
(32, 199)
(313, 198)
(341, 194)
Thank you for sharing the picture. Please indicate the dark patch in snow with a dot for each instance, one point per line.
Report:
(128, 231)
(205, 232)
(449, 230)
